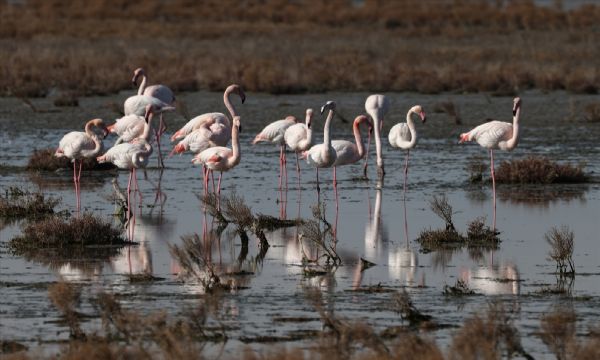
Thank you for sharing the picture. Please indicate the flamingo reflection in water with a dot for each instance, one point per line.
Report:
(502, 279)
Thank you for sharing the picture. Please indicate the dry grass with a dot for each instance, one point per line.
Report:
(403, 305)
(44, 160)
(269, 46)
(57, 233)
(539, 170)
(17, 203)
(66, 297)
(461, 288)
(480, 234)
(562, 241)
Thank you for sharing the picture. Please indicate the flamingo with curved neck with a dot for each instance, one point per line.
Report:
(78, 146)
(377, 106)
(298, 138)
(404, 136)
(496, 135)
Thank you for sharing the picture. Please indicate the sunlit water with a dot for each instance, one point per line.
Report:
(370, 221)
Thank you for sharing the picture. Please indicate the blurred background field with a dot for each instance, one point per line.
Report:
(91, 47)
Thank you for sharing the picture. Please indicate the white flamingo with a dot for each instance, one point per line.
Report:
(496, 135)
(215, 118)
(377, 106)
(221, 158)
(298, 137)
(322, 155)
(275, 133)
(404, 136)
(78, 145)
(161, 92)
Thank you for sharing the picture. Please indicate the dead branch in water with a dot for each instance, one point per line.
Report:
(324, 239)
(562, 242)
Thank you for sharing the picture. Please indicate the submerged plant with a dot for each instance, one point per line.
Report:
(18, 203)
(561, 241)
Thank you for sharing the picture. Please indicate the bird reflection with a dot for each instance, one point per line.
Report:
(502, 279)
(134, 260)
(372, 232)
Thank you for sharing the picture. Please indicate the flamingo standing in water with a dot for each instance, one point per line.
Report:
(136, 105)
(221, 158)
(377, 106)
(77, 146)
(275, 133)
(161, 92)
(404, 136)
(323, 155)
(299, 138)
(348, 152)
(496, 135)
(132, 156)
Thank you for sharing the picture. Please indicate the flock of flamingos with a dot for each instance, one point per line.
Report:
(207, 136)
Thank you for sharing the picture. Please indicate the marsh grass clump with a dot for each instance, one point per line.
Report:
(441, 207)
(44, 160)
(539, 170)
(319, 232)
(476, 169)
(195, 262)
(66, 297)
(402, 304)
(75, 233)
(461, 288)
(18, 203)
(480, 234)
(491, 335)
(562, 242)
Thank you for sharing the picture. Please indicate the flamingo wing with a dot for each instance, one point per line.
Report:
(295, 135)
(73, 143)
(274, 132)
(161, 92)
(199, 121)
(346, 152)
(399, 134)
(491, 134)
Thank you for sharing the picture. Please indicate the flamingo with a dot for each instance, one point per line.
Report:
(348, 152)
(221, 158)
(275, 133)
(214, 117)
(132, 156)
(322, 155)
(377, 106)
(496, 135)
(161, 92)
(299, 138)
(78, 145)
(136, 105)
(404, 136)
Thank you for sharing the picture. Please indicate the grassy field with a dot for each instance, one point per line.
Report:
(278, 46)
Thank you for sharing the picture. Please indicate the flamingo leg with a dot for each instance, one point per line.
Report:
(318, 189)
(298, 169)
(405, 222)
(79, 184)
(335, 190)
(204, 184)
(137, 185)
(280, 167)
(219, 186)
(284, 164)
(75, 183)
(160, 159)
(212, 177)
(406, 171)
(493, 188)
(129, 203)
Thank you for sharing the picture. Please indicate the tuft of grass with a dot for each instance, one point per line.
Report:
(44, 160)
(476, 169)
(441, 207)
(403, 305)
(562, 241)
(17, 203)
(57, 233)
(539, 170)
(196, 264)
(461, 288)
(66, 297)
(480, 234)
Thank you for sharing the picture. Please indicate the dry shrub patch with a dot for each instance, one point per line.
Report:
(44, 160)
(18, 203)
(539, 170)
(562, 241)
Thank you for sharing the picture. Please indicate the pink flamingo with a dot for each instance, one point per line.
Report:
(348, 152)
(221, 158)
(215, 118)
(377, 106)
(275, 133)
(404, 136)
(299, 138)
(136, 105)
(161, 92)
(77, 146)
(132, 156)
(496, 135)
(323, 155)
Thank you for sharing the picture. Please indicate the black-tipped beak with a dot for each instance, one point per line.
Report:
(240, 128)
(322, 109)
(243, 99)
(515, 112)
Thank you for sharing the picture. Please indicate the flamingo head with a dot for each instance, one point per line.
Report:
(516, 105)
(309, 114)
(99, 124)
(235, 88)
(330, 105)
(418, 109)
(237, 124)
(136, 74)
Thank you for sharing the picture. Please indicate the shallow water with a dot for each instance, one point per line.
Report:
(370, 221)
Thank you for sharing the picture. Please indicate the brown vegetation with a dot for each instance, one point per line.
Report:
(408, 45)
(44, 160)
(459, 289)
(539, 170)
(17, 203)
(562, 242)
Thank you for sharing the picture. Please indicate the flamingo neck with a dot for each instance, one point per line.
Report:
(514, 140)
(326, 137)
(228, 104)
(142, 87)
(235, 147)
(411, 128)
(146, 133)
(358, 138)
(95, 139)
(377, 125)
(140, 158)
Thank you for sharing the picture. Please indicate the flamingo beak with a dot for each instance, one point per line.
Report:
(423, 117)
(106, 132)
(243, 97)
(240, 128)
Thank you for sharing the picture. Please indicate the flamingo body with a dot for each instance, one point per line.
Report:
(78, 145)
(297, 137)
(137, 104)
(348, 152)
(128, 155)
(128, 128)
(200, 120)
(275, 131)
(492, 135)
